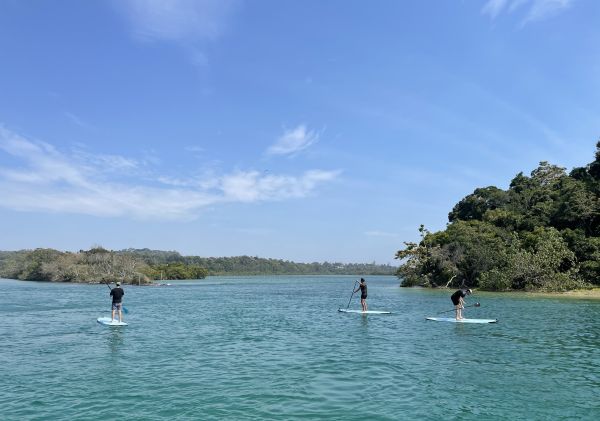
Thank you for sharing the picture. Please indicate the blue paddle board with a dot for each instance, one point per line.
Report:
(107, 322)
(453, 320)
(343, 310)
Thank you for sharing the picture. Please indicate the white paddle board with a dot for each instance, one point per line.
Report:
(453, 320)
(107, 322)
(343, 310)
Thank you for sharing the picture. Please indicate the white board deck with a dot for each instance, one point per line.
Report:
(343, 310)
(453, 320)
(107, 322)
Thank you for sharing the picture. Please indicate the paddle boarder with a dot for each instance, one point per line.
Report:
(363, 293)
(117, 304)
(458, 299)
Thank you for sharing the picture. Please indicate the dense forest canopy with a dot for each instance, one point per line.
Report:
(542, 233)
(144, 265)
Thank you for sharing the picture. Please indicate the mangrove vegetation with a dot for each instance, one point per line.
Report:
(540, 234)
(140, 266)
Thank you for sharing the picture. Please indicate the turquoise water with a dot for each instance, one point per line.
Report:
(256, 348)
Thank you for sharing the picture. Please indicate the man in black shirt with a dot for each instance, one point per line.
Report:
(363, 293)
(117, 297)
(459, 302)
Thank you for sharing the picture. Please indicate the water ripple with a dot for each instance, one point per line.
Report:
(276, 348)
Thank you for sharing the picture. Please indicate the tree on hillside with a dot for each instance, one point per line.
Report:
(542, 233)
(475, 205)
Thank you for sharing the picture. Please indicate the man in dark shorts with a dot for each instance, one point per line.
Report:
(117, 298)
(459, 302)
(363, 293)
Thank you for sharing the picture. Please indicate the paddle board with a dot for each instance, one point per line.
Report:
(107, 322)
(343, 310)
(453, 320)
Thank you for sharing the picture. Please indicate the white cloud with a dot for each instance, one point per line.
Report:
(516, 4)
(254, 186)
(535, 10)
(541, 9)
(178, 20)
(41, 178)
(293, 141)
(494, 7)
(107, 163)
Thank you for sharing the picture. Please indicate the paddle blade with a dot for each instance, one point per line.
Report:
(125, 310)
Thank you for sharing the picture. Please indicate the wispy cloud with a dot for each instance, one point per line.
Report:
(535, 10)
(494, 7)
(76, 120)
(178, 20)
(38, 177)
(252, 186)
(293, 141)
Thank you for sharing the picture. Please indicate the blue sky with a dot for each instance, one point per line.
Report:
(301, 130)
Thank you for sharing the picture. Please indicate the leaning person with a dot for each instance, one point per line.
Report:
(458, 299)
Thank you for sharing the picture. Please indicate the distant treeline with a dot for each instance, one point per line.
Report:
(542, 233)
(247, 265)
(144, 265)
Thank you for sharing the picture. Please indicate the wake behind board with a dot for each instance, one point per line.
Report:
(107, 322)
(343, 310)
(453, 320)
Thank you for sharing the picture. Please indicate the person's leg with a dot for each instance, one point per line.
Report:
(457, 311)
(366, 305)
(112, 313)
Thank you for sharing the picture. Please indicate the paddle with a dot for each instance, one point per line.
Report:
(124, 308)
(353, 288)
(447, 311)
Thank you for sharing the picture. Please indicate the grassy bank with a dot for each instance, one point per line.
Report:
(593, 294)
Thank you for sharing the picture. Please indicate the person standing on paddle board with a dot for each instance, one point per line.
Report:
(458, 299)
(363, 293)
(117, 301)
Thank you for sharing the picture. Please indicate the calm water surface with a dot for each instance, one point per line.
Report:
(262, 348)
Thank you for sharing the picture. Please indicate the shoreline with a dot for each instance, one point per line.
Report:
(592, 294)
(587, 294)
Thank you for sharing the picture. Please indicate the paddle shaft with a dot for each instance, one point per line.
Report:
(353, 288)
(473, 305)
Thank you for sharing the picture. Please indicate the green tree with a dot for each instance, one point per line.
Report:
(543, 233)
(475, 205)
(542, 263)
